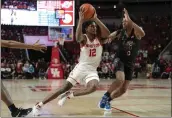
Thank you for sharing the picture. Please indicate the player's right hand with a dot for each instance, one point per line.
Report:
(81, 13)
(109, 40)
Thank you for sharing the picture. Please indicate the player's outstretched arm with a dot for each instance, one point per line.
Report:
(137, 30)
(79, 35)
(19, 45)
(114, 35)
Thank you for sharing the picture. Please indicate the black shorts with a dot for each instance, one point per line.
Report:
(121, 66)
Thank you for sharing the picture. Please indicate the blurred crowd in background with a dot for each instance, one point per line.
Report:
(19, 4)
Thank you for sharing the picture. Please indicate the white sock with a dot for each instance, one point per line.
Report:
(40, 104)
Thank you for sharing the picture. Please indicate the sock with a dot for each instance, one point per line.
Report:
(107, 94)
(109, 99)
(12, 108)
(40, 104)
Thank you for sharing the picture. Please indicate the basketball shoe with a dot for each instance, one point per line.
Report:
(103, 101)
(21, 112)
(107, 106)
(64, 97)
(36, 109)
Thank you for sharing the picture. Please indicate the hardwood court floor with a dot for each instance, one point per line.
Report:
(144, 98)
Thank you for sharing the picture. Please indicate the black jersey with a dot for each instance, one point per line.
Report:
(128, 47)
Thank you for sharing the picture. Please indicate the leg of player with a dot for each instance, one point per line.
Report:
(116, 94)
(115, 86)
(58, 92)
(121, 91)
(67, 86)
(91, 87)
(15, 112)
(128, 77)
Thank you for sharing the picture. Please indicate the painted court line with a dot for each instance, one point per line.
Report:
(125, 112)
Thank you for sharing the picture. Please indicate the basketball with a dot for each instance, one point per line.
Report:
(89, 10)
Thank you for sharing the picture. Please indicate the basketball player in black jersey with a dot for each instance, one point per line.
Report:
(5, 96)
(129, 40)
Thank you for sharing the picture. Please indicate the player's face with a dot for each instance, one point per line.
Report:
(92, 28)
(124, 23)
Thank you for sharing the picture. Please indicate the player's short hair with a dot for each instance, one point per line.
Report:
(86, 24)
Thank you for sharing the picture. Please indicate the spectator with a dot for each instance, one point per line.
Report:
(42, 74)
(148, 69)
(31, 70)
(19, 71)
(6, 72)
(136, 69)
(105, 71)
(167, 73)
(156, 72)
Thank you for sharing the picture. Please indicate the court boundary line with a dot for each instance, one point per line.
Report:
(131, 114)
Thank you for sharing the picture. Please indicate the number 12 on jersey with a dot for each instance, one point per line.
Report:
(92, 52)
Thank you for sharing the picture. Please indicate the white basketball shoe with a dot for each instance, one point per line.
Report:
(36, 109)
(64, 97)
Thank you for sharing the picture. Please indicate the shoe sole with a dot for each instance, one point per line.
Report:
(99, 105)
(108, 109)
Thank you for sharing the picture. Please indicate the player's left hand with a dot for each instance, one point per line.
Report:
(127, 17)
(39, 47)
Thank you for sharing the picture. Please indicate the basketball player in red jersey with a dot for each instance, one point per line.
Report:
(16, 112)
(129, 38)
(85, 71)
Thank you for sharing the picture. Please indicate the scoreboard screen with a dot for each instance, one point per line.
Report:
(48, 13)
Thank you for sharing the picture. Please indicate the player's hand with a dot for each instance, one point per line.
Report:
(109, 40)
(81, 14)
(126, 16)
(39, 47)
